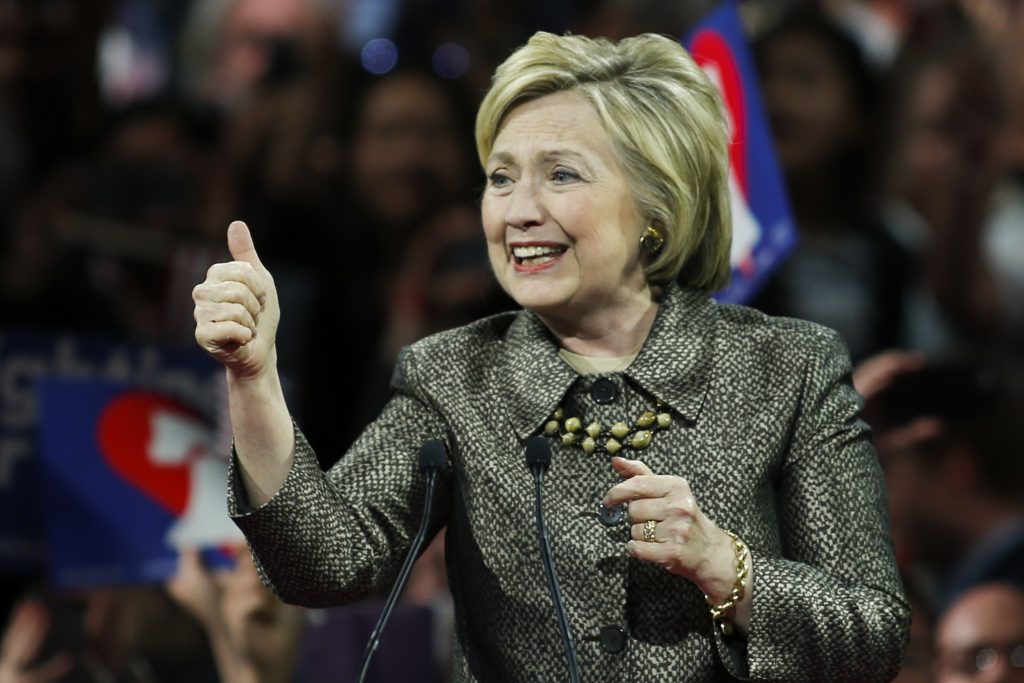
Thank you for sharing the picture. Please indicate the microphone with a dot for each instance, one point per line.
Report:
(433, 460)
(538, 459)
(538, 455)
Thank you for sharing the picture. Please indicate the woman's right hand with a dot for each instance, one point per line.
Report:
(237, 310)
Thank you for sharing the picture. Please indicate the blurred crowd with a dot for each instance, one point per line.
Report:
(133, 132)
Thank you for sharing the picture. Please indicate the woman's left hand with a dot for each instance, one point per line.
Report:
(685, 542)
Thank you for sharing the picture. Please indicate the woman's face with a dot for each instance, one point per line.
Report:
(562, 229)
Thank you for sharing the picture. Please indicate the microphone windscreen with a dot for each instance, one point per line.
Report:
(538, 452)
(433, 455)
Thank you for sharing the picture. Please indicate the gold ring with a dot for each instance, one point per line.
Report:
(649, 526)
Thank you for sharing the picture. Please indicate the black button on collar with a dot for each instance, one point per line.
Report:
(611, 516)
(604, 390)
(613, 639)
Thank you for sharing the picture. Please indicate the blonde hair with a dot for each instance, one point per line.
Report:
(666, 122)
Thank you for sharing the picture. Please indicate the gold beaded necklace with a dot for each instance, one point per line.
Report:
(610, 439)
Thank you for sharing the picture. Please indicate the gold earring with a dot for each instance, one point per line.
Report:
(651, 241)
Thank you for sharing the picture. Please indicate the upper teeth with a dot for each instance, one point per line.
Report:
(530, 252)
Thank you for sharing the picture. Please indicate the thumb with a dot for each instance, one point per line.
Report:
(240, 244)
(629, 468)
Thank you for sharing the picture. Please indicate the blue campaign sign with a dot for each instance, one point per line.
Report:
(130, 477)
(25, 357)
(763, 228)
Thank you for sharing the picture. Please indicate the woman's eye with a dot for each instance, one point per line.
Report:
(498, 179)
(560, 175)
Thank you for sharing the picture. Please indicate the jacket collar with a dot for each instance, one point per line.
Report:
(674, 364)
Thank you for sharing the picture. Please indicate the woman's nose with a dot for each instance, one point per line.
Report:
(525, 208)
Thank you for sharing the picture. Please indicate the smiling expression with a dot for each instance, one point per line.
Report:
(562, 228)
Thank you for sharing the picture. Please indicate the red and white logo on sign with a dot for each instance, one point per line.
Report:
(163, 450)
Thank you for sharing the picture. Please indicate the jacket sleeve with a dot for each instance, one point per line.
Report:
(334, 537)
(831, 607)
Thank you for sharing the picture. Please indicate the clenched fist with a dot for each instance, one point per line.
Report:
(237, 310)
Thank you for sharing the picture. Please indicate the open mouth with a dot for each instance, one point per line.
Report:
(537, 255)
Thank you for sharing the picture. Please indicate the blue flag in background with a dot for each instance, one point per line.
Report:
(763, 232)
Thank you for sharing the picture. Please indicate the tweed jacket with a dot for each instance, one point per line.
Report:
(764, 428)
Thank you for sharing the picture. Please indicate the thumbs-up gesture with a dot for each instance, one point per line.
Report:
(237, 309)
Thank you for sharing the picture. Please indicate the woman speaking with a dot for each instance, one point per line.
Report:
(715, 504)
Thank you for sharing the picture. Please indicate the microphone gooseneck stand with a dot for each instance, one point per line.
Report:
(538, 459)
(432, 459)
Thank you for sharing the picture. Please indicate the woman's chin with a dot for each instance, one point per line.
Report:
(540, 302)
(537, 292)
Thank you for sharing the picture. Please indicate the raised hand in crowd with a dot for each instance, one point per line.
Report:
(23, 643)
(876, 374)
(253, 635)
(871, 378)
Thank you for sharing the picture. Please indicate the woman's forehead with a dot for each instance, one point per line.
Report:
(562, 124)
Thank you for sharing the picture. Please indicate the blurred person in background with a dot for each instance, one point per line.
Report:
(980, 637)
(946, 120)
(44, 283)
(408, 257)
(614, 19)
(105, 246)
(254, 636)
(276, 73)
(233, 49)
(410, 155)
(489, 30)
(125, 634)
(48, 56)
(283, 84)
(949, 439)
(1000, 25)
(207, 625)
(948, 434)
(822, 99)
